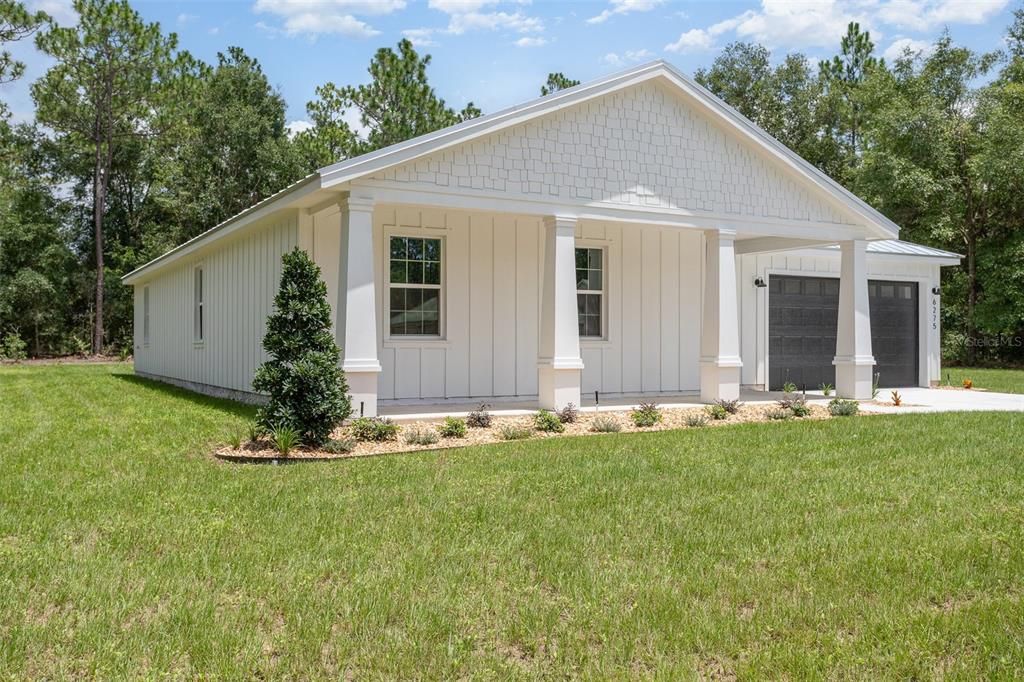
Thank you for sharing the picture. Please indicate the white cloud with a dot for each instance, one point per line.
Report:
(467, 15)
(901, 45)
(186, 19)
(624, 7)
(809, 24)
(62, 11)
(313, 17)
(518, 22)
(296, 127)
(527, 41)
(420, 37)
(923, 15)
(213, 30)
(694, 40)
(614, 59)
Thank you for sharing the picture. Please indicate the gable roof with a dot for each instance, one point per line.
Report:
(403, 152)
(339, 174)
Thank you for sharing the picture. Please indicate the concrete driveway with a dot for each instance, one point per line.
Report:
(946, 400)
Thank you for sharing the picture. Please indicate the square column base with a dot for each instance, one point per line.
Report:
(719, 381)
(362, 388)
(556, 388)
(854, 378)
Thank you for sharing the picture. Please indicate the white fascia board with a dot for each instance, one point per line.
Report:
(254, 213)
(943, 261)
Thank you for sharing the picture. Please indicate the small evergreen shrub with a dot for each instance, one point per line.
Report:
(420, 435)
(826, 389)
(548, 422)
(645, 415)
(843, 408)
(453, 427)
(514, 432)
(306, 386)
(733, 406)
(717, 412)
(696, 420)
(569, 414)
(339, 446)
(285, 439)
(605, 424)
(235, 440)
(479, 418)
(13, 348)
(789, 387)
(374, 429)
(779, 414)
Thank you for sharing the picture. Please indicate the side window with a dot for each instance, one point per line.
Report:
(414, 286)
(199, 322)
(590, 292)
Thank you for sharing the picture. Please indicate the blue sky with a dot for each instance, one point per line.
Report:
(498, 52)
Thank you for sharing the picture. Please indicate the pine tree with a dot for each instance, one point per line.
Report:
(306, 386)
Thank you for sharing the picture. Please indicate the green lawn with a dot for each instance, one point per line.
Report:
(1001, 380)
(850, 548)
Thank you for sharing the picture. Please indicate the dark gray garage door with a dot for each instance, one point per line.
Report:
(802, 317)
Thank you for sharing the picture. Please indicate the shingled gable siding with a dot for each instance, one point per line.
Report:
(642, 146)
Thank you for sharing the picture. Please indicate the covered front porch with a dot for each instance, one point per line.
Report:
(528, 310)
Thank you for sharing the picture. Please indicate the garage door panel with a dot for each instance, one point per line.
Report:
(803, 314)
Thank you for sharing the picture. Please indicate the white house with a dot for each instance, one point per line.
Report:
(633, 236)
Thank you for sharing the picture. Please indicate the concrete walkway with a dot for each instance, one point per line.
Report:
(945, 400)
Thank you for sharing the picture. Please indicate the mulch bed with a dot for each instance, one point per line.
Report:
(672, 419)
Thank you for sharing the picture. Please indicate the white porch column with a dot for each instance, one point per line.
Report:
(720, 335)
(559, 364)
(357, 304)
(854, 361)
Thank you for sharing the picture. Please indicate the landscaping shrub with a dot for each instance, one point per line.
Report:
(453, 427)
(789, 387)
(256, 432)
(479, 418)
(285, 439)
(897, 399)
(339, 446)
(514, 432)
(800, 408)
(306, 386)
(826, 389)
(645, 415)
(569, 414)
(235, 440)
(843, 408)
(420, 435)
(605, 424)
(779, 414)
(548, 422)
(374, 429)
(717, 412)
(733, 406)
(696, 420)
(12, 348)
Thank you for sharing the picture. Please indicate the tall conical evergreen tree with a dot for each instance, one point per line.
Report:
(306, 386)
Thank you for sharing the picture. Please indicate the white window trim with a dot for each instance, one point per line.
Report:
(200, 319)
(603, 248)
(408, 340)
(145, 316)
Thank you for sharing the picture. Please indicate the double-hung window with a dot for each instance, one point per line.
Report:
(414, 290)
(590, 292)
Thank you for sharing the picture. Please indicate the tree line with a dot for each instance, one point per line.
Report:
(137, 146)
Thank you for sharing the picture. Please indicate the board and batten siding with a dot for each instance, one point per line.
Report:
(491, 308)
(241, 276)
(821, 263)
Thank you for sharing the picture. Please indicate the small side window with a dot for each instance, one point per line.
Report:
(145, 316)
(199, 322)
